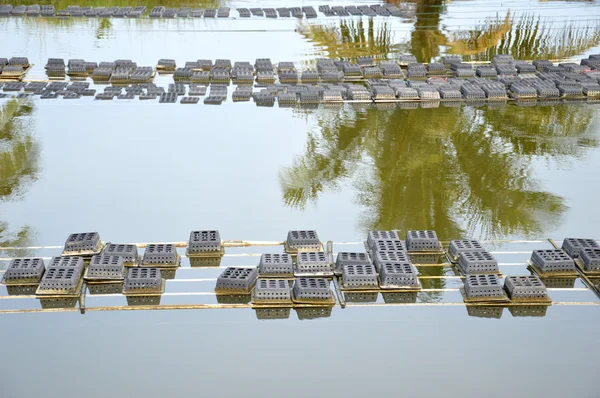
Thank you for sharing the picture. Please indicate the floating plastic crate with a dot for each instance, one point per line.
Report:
(477, 262)
(421, 241)
(407, 93)
(406, 59)
(522, 91)
(506, 70)
(381, 235)
(276, 264)
(211, 100)
(129, 253)
(484, 288)
(83, 243)
(105, 268)
(428, 93)
(310, 76)
(540, 64)
(24, 270)
(384, 93)
(313, 264)
(465, 245)
(435, 68)
(200, 77)
(486, 71)
(388, 245)
(572, 246)
(264, 98)
(570, 91)
(503, 59)
(204, 242)
(385, 257)
(241, 95)
(526, 68)
(312, 290)
(19, 61)
(471, 91)
(272, 291)
(450, 93)
(464, 73)
(359, 276)
(391, 71)
(590, 257)
(244, 12)
(288, 77)
(305, 240)
(552, 260)
(235, 279)
(344, 258)
(352, 70)
(591, 90)
(143, 281)
(60, 280)
(525, 288)
(161, 255)
(399, 275)
(359, 94)
(265, 77)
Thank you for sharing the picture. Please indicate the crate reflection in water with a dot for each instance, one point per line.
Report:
(143, 300)
(205, 261)
(480, 311)
(313, 312)
(21, 290)
(360, 297)
(528, 310)
(59, 302)
(272, 313)
(105, 288)
(400, 297)
(234, 298)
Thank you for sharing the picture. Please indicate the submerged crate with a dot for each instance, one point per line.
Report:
(105, 268)
(465, 245)
(525, 288)
(204, 243)
(276, 265)
(140, 281)
(129, 253)
(236, 280)
(483, 288)
(573, 246)
(27, 270)
(477, 262)
(272, 291)
(590, 257)
(399, 275)
(359, 276)
(164, 255)
(312, 290)
(86, 243)
(422, 241)
(552, 261)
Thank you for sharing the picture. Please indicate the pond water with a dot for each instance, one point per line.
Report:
(141, 172)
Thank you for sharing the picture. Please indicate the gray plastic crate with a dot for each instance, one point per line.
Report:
(272, 290)
(478, 262)
(79, 242)
(422, 240)
(540, 64)
(478, 287)
(312, 289)
(526, 68)
(464, 245)
(406, 59)
(168, 98)
(26, 269)
(552, 260)
(381, 235)
(304, 240)
(435, 68)
(160, 254)
(590, 257)
(522, 91)
(388, 245)
(143, 280)
(528, 287)
(486, 71)
(275, 264)
(67, 262)
(61, 279)
(384, 257)
(398, 275)
(572, 246)
(313, 263)
(359, 276)
(105, 267)
(236, 279)
(204, 242)
(129, 253)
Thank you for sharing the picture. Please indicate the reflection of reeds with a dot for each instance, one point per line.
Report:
(527, 37)
(350, 39)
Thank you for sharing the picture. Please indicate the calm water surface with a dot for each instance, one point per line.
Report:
(139, 172)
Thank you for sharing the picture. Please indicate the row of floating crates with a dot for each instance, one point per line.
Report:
(308, 12)
(384, 266)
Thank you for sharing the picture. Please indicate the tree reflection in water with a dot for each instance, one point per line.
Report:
(19, 155)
